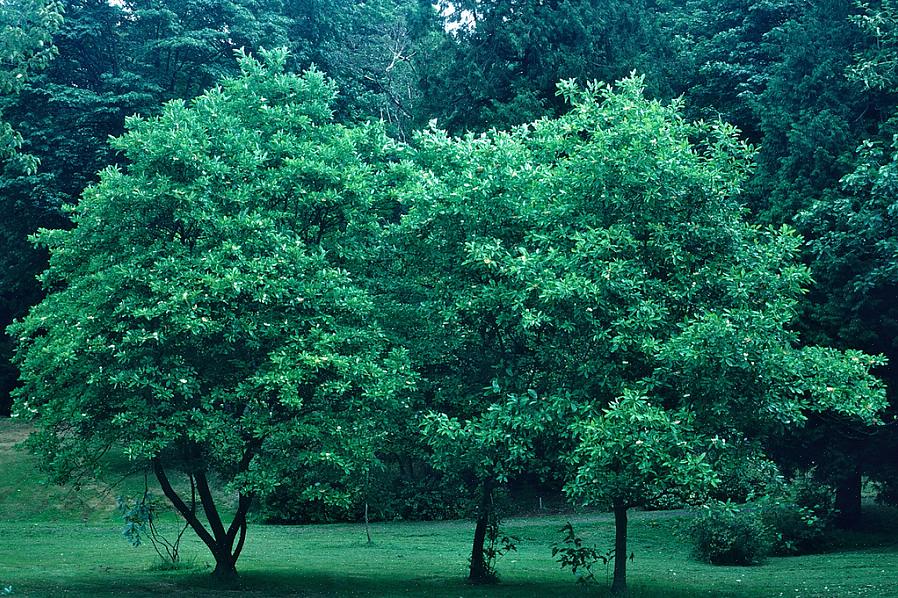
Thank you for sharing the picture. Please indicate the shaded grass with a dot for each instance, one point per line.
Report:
(26, 494)
(423, 559)
(54, 542)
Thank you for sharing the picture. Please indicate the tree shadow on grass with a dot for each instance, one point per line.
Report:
(314, 585)
(878, 530)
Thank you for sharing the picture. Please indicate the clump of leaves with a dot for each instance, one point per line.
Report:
(573, 554)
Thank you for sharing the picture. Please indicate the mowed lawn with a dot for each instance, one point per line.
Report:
(421, 559)
(55, 544)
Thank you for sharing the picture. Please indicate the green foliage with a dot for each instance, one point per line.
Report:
(142, 520)
(501, 62)
(26, 31)
(801, 518)
(113, 59)
(495, 547)
(795, 520)
(209, 311)
(638, 452)
(725, 534)
(572, 554)
(745, 473)
(596, 271)
(374, 50)
(875, 66)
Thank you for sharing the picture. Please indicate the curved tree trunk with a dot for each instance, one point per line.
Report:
(619, 583)
(224, 544)
(480, 570)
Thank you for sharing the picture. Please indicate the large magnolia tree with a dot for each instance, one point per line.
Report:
(630, 317)
(208, 313)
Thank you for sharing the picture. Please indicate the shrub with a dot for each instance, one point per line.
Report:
(724, 534)
(801, 519)
(573, 554)
(745, 474)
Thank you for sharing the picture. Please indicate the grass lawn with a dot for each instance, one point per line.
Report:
(422, 559)
(55, 543)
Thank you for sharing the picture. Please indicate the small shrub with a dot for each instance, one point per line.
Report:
(574, 555)
(724, 534)
(141, 521)
(496, 546)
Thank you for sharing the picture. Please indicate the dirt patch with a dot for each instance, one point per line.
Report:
(13, 432)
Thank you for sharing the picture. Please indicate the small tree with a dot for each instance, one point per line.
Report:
(208, 311)
(633, 454)
(487, 450)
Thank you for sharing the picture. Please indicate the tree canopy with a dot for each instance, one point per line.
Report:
(208, 310)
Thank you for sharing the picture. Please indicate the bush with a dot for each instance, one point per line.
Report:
(801, 519)
(745, 474)
(724, 534)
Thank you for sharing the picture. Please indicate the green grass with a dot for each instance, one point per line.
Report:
(419, 559)
(52, 548)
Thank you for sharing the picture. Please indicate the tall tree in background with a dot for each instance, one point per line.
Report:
(787, 73)
(374, 51)
(500, 64)
(26, 35)
(854, 255)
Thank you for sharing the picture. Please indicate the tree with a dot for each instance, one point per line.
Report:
(374, 50)
(634, 453)
(489, 449)
(113, 60)
(26, 30)
(477, 387)
(605, 256)
(854, 255)
(499, 65)
(208, 311)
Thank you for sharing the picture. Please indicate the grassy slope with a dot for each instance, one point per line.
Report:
(46, 553)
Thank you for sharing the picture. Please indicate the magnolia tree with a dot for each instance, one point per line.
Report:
(483, 413)
(602, 260)
(633, 453)
(208, 313)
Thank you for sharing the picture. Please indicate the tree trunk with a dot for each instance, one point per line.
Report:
(225, 570)
(480, 571)
(848, 499)
(225, 545)
(619, 583)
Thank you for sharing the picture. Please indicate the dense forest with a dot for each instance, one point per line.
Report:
(532, 234)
